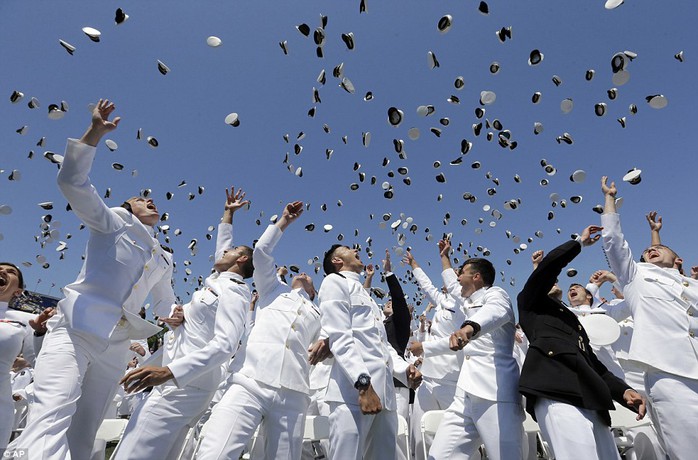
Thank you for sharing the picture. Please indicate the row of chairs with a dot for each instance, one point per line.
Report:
(317, 428)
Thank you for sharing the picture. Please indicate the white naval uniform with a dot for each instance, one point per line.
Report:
(270, 371)
(664, 306)
(28, 339)
(159, 425)
(439, 371)
(82, 357)
(487, 406)
(359, 343)
(11, 335)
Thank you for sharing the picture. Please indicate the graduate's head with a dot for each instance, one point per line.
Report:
(578, 295)
(661, 256)
(143, 209)
(305, 282)
(342, 258)
(237, 259)
(11, 281)
(475, 273)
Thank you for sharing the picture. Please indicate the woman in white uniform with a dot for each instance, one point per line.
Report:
(11, 335)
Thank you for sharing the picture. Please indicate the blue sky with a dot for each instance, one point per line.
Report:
(272, 93)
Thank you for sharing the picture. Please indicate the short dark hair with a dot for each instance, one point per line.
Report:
(482, 266)
(327, 264)
(20, 277)
(588, 292)
(248, 267)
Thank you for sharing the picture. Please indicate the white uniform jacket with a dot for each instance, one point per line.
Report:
(229, 327)
(489, 369)
(198, 328)
(287, 322)
(664, 306)
(358, 341)
(28, 340)
(123, 261)
(447, 319)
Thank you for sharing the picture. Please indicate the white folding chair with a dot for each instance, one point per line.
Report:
(429, 425)
(403, 433)
(531, 427)
(111, 430)
(317, 428)
(622, 420)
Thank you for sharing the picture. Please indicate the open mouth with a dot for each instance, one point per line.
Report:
(3, 281)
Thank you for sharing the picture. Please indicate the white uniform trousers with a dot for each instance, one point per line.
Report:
(243, 407)
(75, 380)
(574, 432)
(159, 425)
(354, 435)
(431, 395)
(674, 411)
(470, 422)
(318, 406)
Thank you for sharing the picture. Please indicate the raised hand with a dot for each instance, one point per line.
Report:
(235, 200)
(591, 235)
(655, 221)
(606, 189)
(536, 257)
(387, 266)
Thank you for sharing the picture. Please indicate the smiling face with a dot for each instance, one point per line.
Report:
(10, 284)
(660, 256)
(145, 210)
(577, 295)
(469, 280)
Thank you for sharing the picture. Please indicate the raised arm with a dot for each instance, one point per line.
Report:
(545, 275)
(265, 277)
(655, 223)
(434, 295)
(73, 179)
(370, 270)
(617, 249)
(233, 201)
(401, 314)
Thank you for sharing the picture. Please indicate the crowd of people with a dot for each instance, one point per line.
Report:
(237, 365)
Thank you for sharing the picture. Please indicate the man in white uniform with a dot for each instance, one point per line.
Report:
(487, 407)
(158, 427)
(361, 394)
(440, 371)
(271, 369)
(84, 353)
(664, 306)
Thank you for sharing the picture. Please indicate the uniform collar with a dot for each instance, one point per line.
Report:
(301, 292)
(352, 276)
(232, 276)
(476, 297)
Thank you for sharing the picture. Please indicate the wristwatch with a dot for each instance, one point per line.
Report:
(473, 324)
(363, 381)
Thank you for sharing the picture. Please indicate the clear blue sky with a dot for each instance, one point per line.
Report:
(272, 92)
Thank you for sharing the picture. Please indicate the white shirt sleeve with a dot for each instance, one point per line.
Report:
(265, 278)
(434, 295)
(74, 183)
(495, 311)
(231, 317)
(224, 239)
(617, 249)
(335, 307)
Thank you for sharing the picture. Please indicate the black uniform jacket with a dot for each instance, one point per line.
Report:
(560, 364)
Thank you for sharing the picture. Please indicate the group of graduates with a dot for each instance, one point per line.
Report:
(234, 362)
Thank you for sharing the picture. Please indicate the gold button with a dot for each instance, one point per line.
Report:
(562, 309)
(293, 326)
(683, 297)
(135, 286)
(580, 327)
(685, 283)
(154, 251)
(692, 334)
(467, 356)
(287, 345)
(146, 267)
(690, 313)
(299, 312)
(550, 353)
